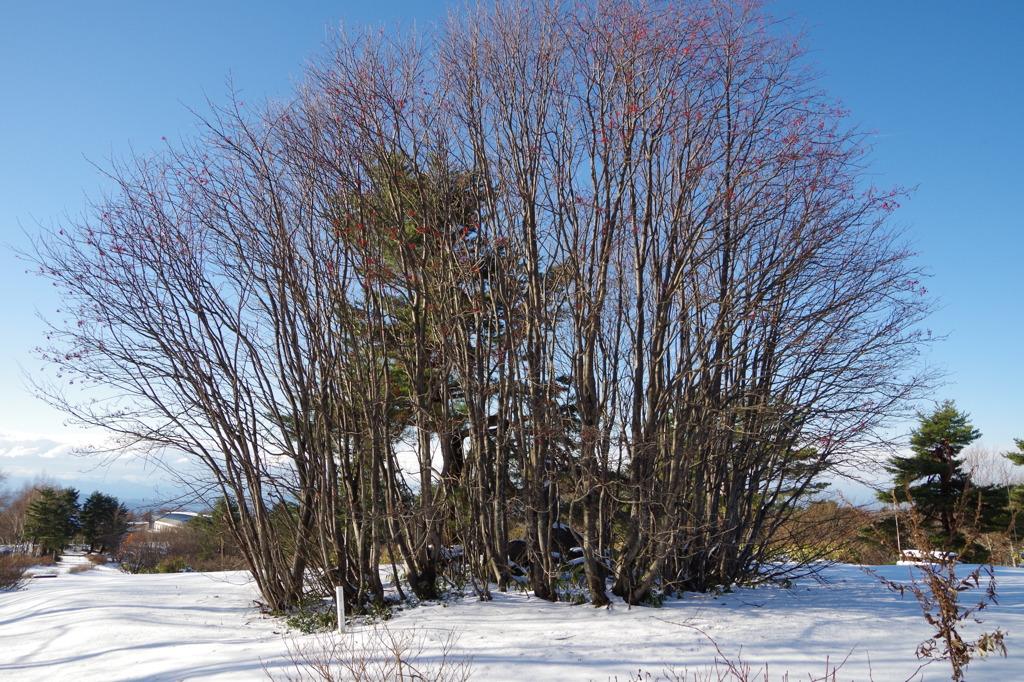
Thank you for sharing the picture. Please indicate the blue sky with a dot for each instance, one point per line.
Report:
(941, 82)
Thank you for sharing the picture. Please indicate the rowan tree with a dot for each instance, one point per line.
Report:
(617, 262)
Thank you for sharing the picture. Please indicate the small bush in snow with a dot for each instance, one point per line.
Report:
(379, 653)
(312, 614)
(12, 570)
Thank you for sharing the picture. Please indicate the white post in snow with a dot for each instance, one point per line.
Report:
(896, 516)
(339, 599)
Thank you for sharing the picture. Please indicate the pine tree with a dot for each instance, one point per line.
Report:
(933, 478)
(1016, 492)
(51, 520)
(104, 521)
(1017, 457)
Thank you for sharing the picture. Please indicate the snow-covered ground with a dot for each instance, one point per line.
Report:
(106, 625)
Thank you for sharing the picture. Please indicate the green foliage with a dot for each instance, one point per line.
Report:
(312, 614)
(104, 522)
(213, 532)
(933, 471)
(51, 520)
(1017, 457)
(176, 564)
(943, 434)
(320, 614)
(571, 585)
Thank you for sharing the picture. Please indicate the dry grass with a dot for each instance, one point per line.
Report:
(941, 593)
(829, 531)
(81, 568)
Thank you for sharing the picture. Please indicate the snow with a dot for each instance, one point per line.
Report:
(106, 625)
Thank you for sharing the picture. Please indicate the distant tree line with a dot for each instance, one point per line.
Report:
(49, 519)
(612, 266)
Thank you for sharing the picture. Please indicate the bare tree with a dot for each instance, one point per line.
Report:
(702, 263)
(987, 467)
(13, 506)
(200, 297)
(613, 264)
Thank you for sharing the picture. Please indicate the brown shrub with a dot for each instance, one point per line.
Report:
(828, 531)
(143, 551)
(12, 570)
(1002, 548)
(97, 559)
(81, 568)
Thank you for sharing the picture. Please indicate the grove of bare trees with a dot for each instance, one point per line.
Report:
(616, 266)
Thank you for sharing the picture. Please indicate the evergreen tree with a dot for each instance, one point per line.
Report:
(216, 537)
(1016, 492)
(51, 520)
(933, 477)
(1017, 457)
(104, 521)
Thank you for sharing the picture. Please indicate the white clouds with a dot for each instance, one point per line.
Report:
(16, 451)
(21, 451)
(65, 460)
